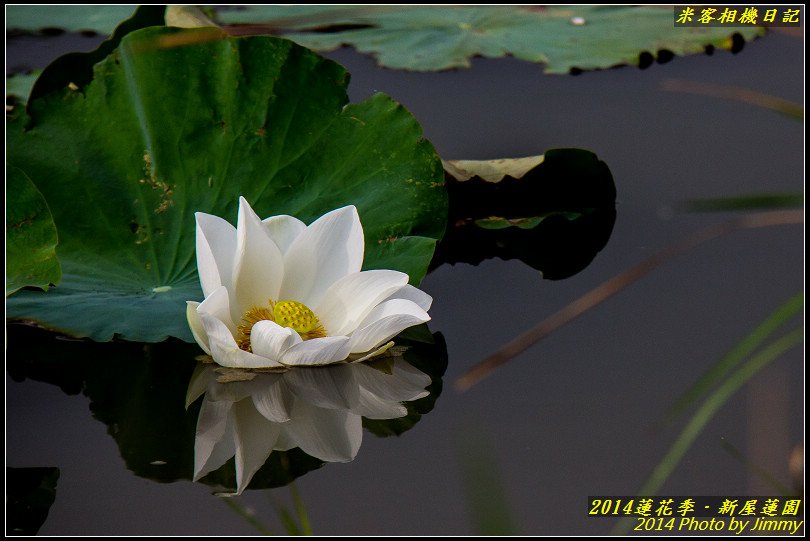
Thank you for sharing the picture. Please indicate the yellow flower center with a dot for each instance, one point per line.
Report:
(292, 314)
(296, 316)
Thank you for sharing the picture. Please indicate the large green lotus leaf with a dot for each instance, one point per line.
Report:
(177, 121)
(76, 69)
(30, 236)
(72, 18)
(436, 38)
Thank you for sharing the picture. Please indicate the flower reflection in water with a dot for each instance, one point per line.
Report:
(249, 414)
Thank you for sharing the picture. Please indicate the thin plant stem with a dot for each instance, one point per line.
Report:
(707, 411)
(249, 517)
(758, 202)
(288, 520)
(739, 352)
(713, 403)
(745, 95)
(483, 485)
(616, 284)
(763, 474)
(300, 510)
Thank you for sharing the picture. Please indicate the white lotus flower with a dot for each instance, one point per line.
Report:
(249, 414)
(279, 293)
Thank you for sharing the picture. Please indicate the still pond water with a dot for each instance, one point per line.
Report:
(576, 415)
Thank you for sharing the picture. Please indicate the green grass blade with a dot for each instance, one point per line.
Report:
(249, 517)
(744, 348)
(767, 201)
(288, 521)
(761, 472)
(708, 409)
(483, 487)
(300, 510)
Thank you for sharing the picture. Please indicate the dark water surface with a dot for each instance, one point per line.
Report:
(577, 414)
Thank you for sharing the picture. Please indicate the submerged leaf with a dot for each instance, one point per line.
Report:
(178, 121)
(429, 38)
(498, 222)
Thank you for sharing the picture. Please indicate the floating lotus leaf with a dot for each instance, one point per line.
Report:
(428, 38)
(178, 121)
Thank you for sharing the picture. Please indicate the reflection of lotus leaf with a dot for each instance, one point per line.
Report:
(554, 212)
(249, 414)
(138, 391)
